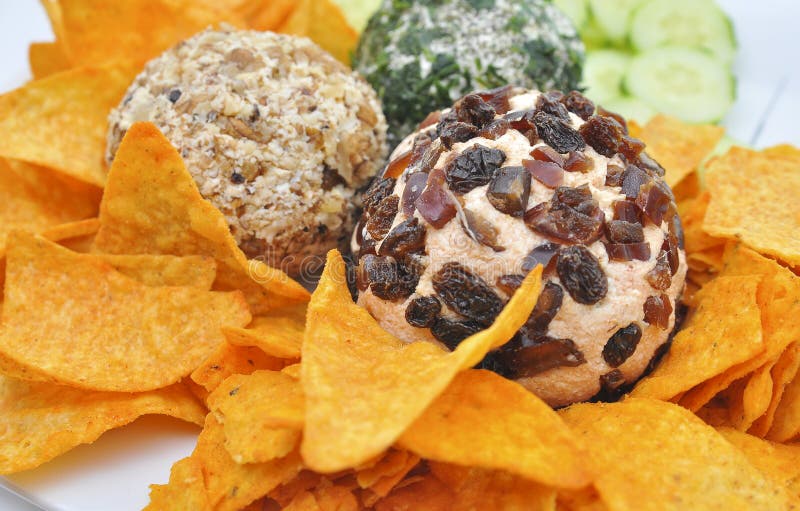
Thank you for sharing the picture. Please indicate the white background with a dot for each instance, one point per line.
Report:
(767, 112)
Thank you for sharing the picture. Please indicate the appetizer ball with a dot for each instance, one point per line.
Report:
(506, 180)
(422, 55)
(277, 134)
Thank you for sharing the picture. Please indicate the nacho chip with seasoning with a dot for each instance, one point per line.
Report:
(725, 330)
(767, 216)
(151, 205)
(185, 490)
(518, 432)
(228, 360)
(653, 455)
(786, 421)
(39, 421)
(363, 386)
(47, 59)
(381, 478)
(95, 328)
(75, 104)
(278, 333)
(426, 493)
(323, 22)
(782, 372)
(750, 397)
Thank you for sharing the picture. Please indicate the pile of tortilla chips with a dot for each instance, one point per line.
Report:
(124, 294)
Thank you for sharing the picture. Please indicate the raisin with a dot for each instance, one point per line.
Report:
(546, 153)
(435, 203)
(633, 178)
(614, 175)
(509, 190)
(654, 202)
(398, 165)
(238, 179)
(422, 311)
(429, 158)
(378, 190)
(657, 311)
(650, 165)
(174, 96)
(547, 173)
(670, 246)
(627, 211)
(431, 119)
(558, 133)
(580, 273)
(602, 112)
(472, 109)
(660, 277)
(612, 386)
(406, 238)
(455, 132)
(539, 355)
(421, 144)
(577, 161)
(608, 137)
(481, 230)
(367, 247)
(523, 122)
(628, 251)
(544, 254)
(495, 129)
(382, 218)
(331, 178)
(620, 231)
(415, 184)
(509, 283)
(572, 216)
(383, 276)
(473, 168)
(578, 104)
(548, 305)
(622, 345)
(550, 103)
(451, 333)
(499, 98)
(466, 293)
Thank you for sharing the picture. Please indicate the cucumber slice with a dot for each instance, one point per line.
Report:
(358, 12)
(603, 73)
(631, 108)
(614, 16)
(684, 82)
(594, 38)
(697, 23)
(576, 10)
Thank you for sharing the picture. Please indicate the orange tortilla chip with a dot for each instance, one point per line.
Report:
(39, 421)
(185, 490)
(363, 386)
(783, 372)
(653, 455)
(751, 398)
(77, 229)
(679, 147)
(151, 206)
(135, 30)
(261, 413)
(159, 270)
(786, 422)
(47, 59)
(75, 104)
(518, 432)
(323, 22)
(228, 360)
(725, 330)
(278, 333)
(73, 319)
(425, 494)
(754, 200)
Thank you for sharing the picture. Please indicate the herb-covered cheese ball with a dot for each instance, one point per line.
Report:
(277, 134)
(506, 180)
(421, 55)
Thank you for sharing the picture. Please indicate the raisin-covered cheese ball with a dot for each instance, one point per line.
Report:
(506, 180)
(277, 134)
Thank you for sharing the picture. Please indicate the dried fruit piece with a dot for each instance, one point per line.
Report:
(431, 119)
(472, 109)
(547, 153)
(547, 173)
(466, 293)
(627, 211)
(523, 122)
(544, 254)
(495, 129)
(632, 180)
(415, 184)
(550, 103)
(610, 386)
(509, 190)
(620, 231)
(614, 175)
(481, 230)
(577, 161)
(657, 311)
(578, 104)
(649, 165)
(406, 238)
(580, 273)
(670, 246)
(421, 144)
(550, 300)
(509, 283)
(452, 132)
(572, 216)
(602, 112)
(451, 333)
(428, 159)
(622, 345)
(660, 277)
(435, 203)
(655, 202)
(381, 220)
(607, 136)
(539, 355)
(628, 251)
(381, 274)
(498, 98)
(557, 133)
(396, 167)
(422, 311)
(378, 190)
(473, 168)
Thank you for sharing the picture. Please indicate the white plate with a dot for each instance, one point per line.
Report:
(114, 473)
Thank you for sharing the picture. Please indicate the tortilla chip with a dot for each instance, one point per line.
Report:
(75, 104)
(725, 330)
(228, 360)
(266, 14)
(786, 422)
(783, 372)
(261, 413)
(518, 432)
(86, 325)
(193, 271)
(322, 21)
(776, 461)
(679, 147)
(185, 490)
(39, 421)
(425, 494)
(47, 59)
(385, 475)
(765, 218)
(136, 30)
(151, 206)
(751, 399)
(692, 213)
(69, 230)
(653, 455)
(363, 386)
(278, 333)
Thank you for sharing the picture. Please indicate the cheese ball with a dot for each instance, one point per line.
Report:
(506, 180)
(277, 134)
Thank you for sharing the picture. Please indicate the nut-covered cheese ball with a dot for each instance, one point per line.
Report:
(506, 180)
(277, 134)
